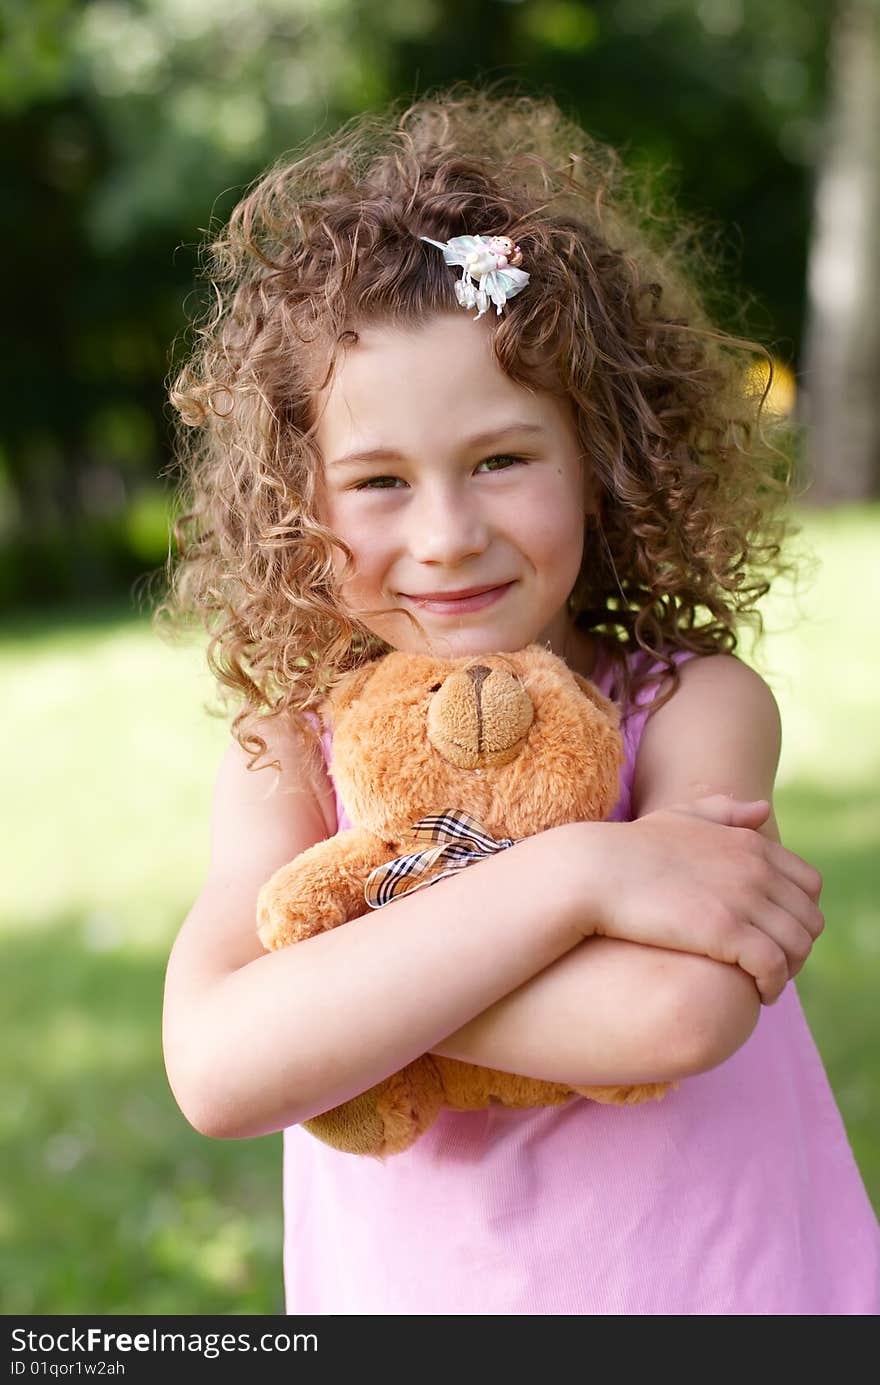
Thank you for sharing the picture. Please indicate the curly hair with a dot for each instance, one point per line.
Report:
(668, 407)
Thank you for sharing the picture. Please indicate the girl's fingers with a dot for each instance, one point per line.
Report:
(738, 812)
(795, 868)
(786, 931)
(726, 810)
(754, 950)
(765, 961)
(801, 906)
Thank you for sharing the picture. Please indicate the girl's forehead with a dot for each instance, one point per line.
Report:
(441, 373)
(443, 344)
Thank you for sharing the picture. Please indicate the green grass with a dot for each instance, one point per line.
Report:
(109, 1202)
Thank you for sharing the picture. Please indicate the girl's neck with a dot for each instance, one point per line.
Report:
(581, 651)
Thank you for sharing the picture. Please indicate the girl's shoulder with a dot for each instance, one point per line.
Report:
(721, 731)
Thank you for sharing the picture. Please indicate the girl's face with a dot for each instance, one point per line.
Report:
(441, 474)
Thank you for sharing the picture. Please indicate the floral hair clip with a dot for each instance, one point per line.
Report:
(489, 269)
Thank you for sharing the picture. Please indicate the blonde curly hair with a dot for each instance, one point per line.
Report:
(668, 408)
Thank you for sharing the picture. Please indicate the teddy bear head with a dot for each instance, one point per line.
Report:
(515, 739)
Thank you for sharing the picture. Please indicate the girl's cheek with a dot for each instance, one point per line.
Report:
(336, 516)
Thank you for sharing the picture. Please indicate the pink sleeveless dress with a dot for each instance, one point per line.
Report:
(737, 1194)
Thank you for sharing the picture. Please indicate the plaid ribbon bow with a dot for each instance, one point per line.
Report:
(462, 839)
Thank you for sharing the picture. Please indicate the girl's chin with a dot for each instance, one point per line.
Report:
(455, 644)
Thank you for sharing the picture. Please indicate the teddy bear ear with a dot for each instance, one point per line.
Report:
(611, 709)
(350, 686)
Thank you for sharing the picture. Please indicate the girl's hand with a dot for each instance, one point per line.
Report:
(696, 877)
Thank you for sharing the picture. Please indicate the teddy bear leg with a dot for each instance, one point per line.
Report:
(409, 1104)
(627, 1096)
(355, 1127)
(471, 1088)
(387, 1118)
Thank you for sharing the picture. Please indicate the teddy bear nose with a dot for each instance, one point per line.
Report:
(477, 674)
(481, 719)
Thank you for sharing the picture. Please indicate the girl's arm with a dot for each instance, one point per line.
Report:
(720, 733)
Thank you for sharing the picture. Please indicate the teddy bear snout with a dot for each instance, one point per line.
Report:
(479, 717)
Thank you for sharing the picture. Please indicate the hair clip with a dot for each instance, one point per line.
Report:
(489, 269)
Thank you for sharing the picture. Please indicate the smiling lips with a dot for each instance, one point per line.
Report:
(456, 595)
(466, 599)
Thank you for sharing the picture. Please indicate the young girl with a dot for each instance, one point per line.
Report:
(390, 445)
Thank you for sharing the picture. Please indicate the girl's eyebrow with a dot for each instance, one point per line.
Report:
(389, 454)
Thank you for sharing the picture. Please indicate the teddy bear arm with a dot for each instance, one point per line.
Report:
(322, 888)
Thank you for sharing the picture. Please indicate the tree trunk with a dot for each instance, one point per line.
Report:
(841, 363)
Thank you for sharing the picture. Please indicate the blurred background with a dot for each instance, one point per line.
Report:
(129, 128)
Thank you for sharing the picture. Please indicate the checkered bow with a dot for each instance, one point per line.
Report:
(462, 841)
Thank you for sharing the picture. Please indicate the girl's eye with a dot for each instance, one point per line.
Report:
(502, 457)
(373, 483)
(376, 482)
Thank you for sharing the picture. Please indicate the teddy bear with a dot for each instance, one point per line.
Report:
(472, 753)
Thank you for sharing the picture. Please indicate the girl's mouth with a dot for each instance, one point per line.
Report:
(454, 606)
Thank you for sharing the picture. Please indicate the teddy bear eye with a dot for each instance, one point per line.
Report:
(436, 687)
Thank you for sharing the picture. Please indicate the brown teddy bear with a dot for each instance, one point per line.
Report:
(470, 754)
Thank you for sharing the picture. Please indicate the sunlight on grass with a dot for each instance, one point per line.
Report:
(820, 648)
(111, 771)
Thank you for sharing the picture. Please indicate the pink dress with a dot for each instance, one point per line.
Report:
(737, 1194)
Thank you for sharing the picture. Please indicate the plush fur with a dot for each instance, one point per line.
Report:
(518, 741)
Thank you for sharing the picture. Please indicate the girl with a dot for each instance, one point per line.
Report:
(388, 445)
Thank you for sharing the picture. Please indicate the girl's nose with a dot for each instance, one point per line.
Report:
(446, 529)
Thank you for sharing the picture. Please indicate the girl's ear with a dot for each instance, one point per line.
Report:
(350, 686)
(611, 709)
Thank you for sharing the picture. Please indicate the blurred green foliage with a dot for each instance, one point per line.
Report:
(109, 1201)
(131, 126)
